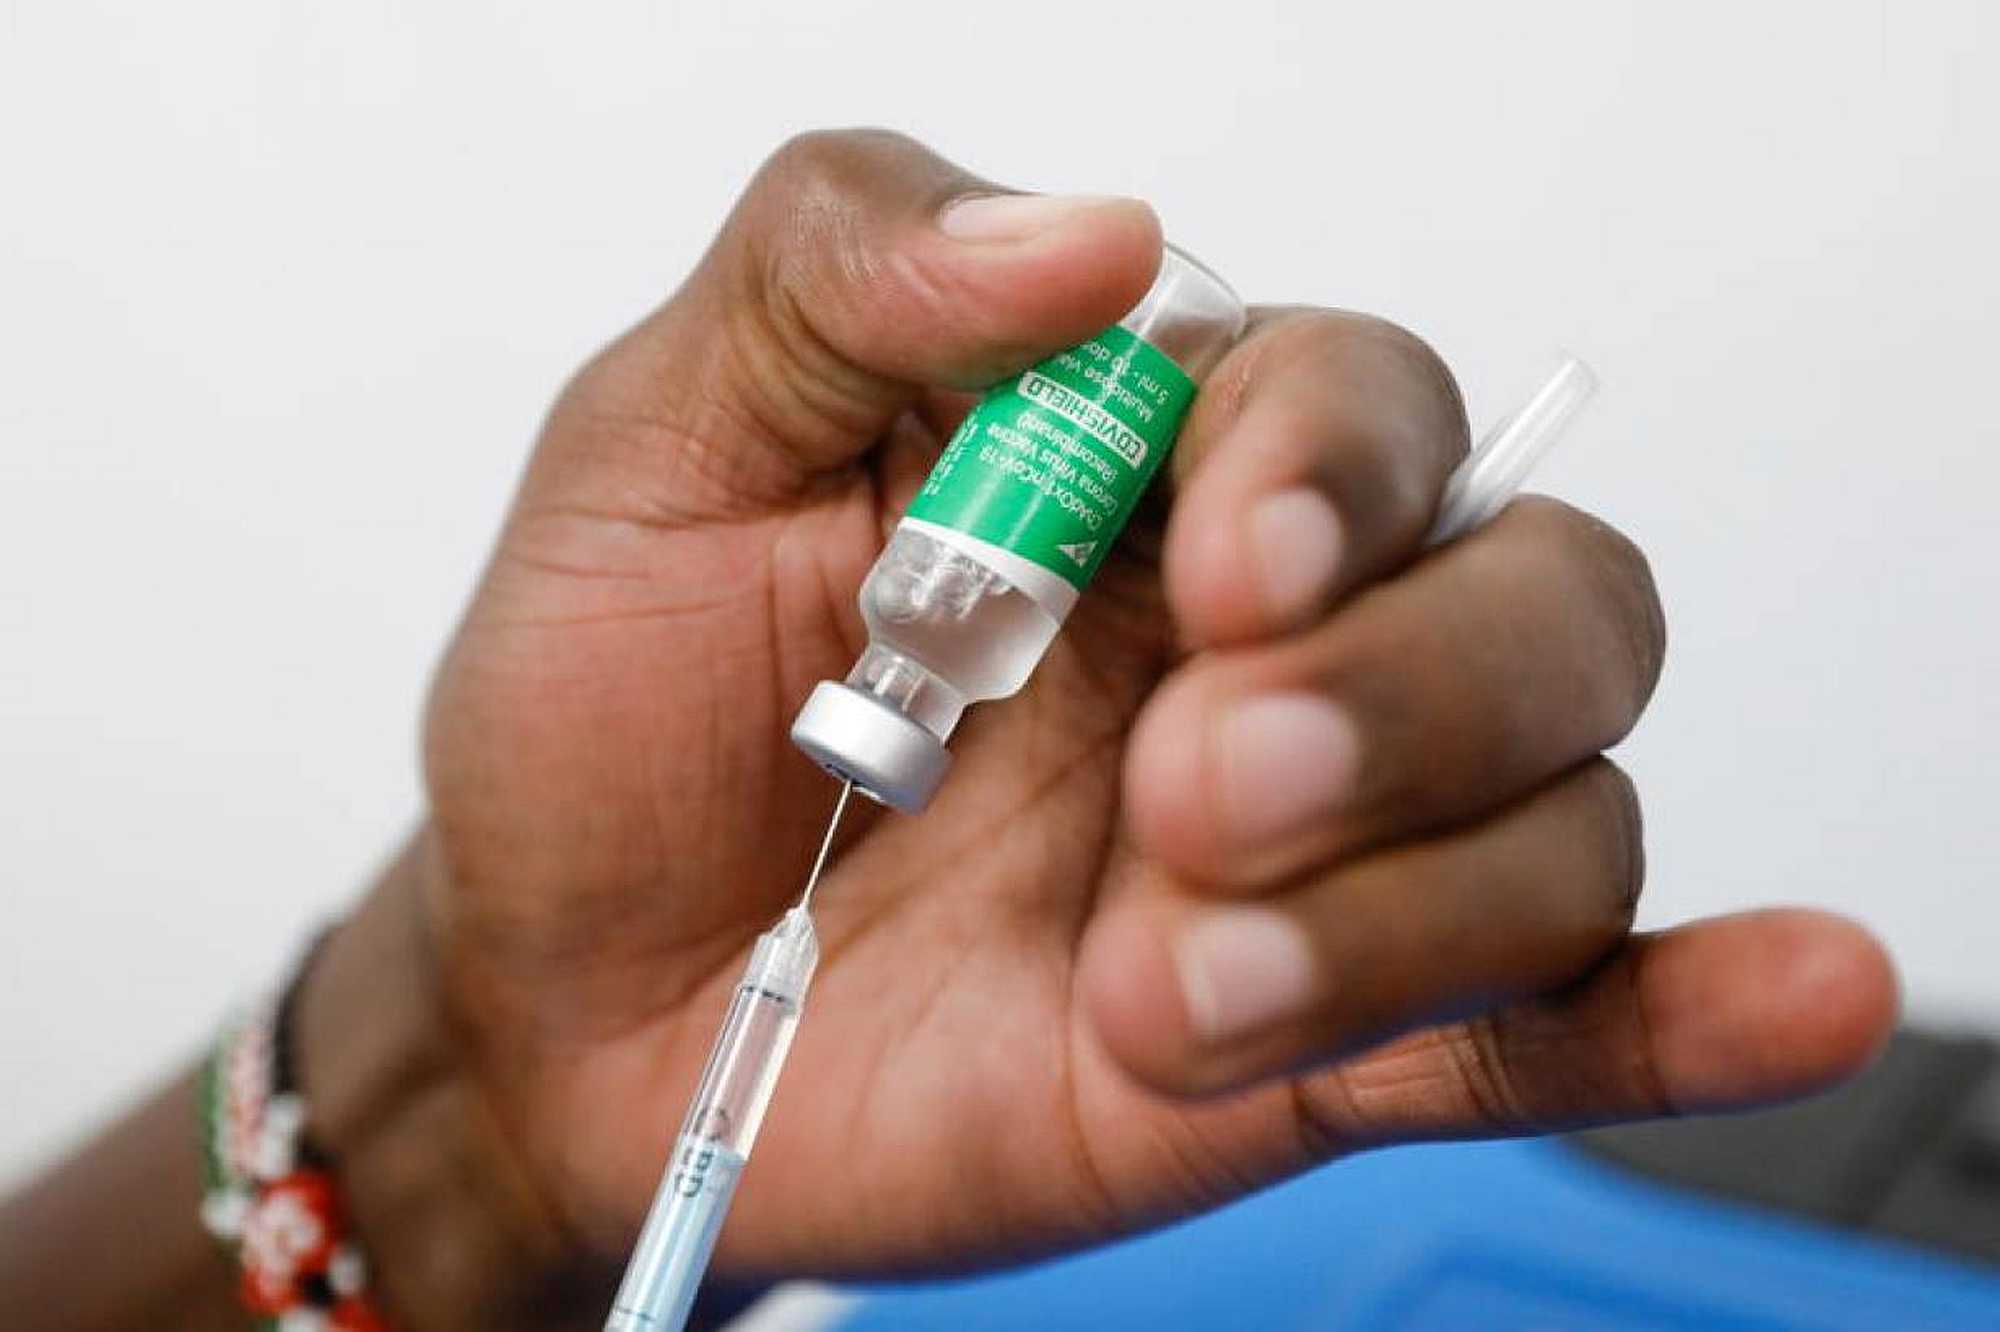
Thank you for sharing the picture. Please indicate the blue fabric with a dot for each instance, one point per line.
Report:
(1513, 1235)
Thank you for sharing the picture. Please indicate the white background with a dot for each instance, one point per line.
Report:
(284, 288)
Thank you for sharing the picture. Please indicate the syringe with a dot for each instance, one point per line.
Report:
(673, 1250)
(715, 1139)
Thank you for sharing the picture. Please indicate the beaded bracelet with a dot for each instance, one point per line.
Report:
(269, 1193)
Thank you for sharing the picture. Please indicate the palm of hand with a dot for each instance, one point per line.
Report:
(621, 814)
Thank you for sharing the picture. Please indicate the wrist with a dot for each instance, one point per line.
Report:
(454, 1234)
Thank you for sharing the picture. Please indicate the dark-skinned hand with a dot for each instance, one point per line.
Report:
(1300, 841)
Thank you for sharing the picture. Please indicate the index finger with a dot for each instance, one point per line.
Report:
(1311, 464)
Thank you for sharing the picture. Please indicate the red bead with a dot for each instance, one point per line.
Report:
(355, 1315)
(291, 1231)
(264, 1293)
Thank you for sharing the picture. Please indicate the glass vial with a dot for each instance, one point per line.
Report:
(1017, 515)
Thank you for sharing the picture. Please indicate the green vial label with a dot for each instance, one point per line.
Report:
(1051, 463)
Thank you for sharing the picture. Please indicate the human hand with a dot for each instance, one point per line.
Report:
(1300, 841)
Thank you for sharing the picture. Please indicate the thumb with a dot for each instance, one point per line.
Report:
(858, 268)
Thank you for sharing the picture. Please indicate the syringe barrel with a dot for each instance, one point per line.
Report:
(666, 1268)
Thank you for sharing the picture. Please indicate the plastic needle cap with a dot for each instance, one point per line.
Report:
(1494, 471)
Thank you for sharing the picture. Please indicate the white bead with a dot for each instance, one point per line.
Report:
(274, 1156)
(224, 1212)
(278, 1139)
(347, 1273)
(285, 1113)
(302, 1320)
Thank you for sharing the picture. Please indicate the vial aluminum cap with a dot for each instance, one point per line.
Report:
(860, 739)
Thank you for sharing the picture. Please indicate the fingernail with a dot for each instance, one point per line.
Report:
(1283, 761)
(1012, 217)
(1243, 968)
(1295, 539)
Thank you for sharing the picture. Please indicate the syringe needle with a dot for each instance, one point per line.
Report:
(825, 845)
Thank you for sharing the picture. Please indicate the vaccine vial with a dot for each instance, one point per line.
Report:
(1020, 511)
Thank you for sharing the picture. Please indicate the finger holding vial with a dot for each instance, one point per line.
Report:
(1429, 700)
(1382, 804)
(1310, 465)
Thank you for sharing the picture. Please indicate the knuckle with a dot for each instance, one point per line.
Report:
(1304, 330)
(1478, 1053)
(1619, 824)
(801, 261)
(1385, 453)
(1418, 354)
(799, 158)
(1325, 1114)
(1311, 329)
(1430, 746)
(1311, 332)
(828, 161)
(821, 238)
(1639, 620)
(803, 207)
(1618, 579)
(1421, 361)
(1418, 447)
(807, 211)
